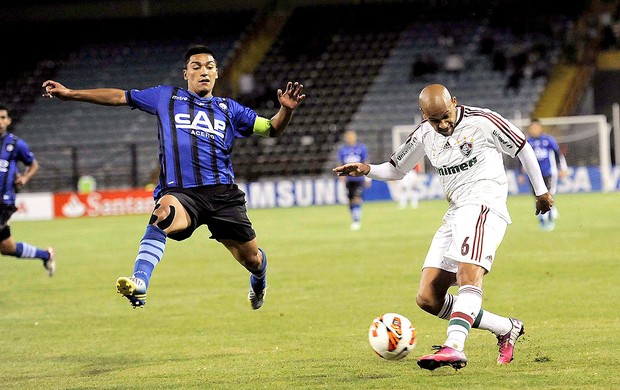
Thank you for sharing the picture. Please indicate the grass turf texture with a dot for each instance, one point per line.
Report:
(327, 283)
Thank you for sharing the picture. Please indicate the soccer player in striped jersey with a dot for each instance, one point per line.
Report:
(196, 132)
(14, 151)
(465, 145)
(552, 165)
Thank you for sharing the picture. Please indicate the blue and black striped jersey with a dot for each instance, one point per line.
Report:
(13, 150)
(196, 135)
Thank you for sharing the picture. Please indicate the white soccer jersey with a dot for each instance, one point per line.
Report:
(469, 163)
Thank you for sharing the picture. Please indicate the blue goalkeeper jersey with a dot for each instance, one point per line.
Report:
(14, 150)
(196, 135)
(547, 152)
(353, 154)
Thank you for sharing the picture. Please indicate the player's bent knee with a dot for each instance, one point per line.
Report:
(161, 217)
(251, 259)
(427, 303)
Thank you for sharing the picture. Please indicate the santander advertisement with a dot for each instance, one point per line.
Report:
(103, 203)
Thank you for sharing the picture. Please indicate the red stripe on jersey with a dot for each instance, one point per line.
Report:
(476, 252)
(414, 130)
(501, 124)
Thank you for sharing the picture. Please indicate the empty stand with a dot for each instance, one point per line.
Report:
(74, 139)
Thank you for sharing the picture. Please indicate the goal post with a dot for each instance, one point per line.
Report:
(584, 140)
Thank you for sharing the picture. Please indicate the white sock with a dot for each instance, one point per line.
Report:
(485, 320)
(464, 312)
(498, 325)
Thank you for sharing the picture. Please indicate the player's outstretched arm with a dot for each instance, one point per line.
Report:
(289, 99)
(352, 169)
(384, 171)
(103, 96)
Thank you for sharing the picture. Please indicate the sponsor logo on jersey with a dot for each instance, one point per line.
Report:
(200, 124)
(183, 98)
(405, 150)
(186, 99)
(443, 171)
(502, 140)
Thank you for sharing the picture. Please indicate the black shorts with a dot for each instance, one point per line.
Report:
(355, 189)
(6, 211)
(221, 207)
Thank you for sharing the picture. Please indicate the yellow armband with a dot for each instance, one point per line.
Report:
(262, 126)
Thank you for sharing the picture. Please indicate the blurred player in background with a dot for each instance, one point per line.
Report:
(465, 145)
(15, 150)
(353, 151)
(196, 132)
(410, 186)
(552, 165)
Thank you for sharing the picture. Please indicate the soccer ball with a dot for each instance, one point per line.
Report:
(392, 336)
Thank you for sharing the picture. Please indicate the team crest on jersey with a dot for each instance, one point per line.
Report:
(466, 148)
(223, 106)
(9, 148)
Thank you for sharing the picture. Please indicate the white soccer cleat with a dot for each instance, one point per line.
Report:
(507, 341)
(50, 264)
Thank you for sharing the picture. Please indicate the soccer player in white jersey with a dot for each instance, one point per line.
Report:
(465, 145)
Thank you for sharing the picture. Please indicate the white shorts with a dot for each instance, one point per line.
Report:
(469, 234)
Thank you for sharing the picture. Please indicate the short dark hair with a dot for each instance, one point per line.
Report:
(3, 107)
(197, 49)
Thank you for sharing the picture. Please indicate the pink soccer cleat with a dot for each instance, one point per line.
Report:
(445, 356)
(507, 342)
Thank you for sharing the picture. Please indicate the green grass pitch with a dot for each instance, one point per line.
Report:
(326, 284)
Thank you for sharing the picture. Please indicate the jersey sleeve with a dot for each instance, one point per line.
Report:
(242, 119)
(507, 137)
(409, 153)
(146, 100)
(23, 152)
